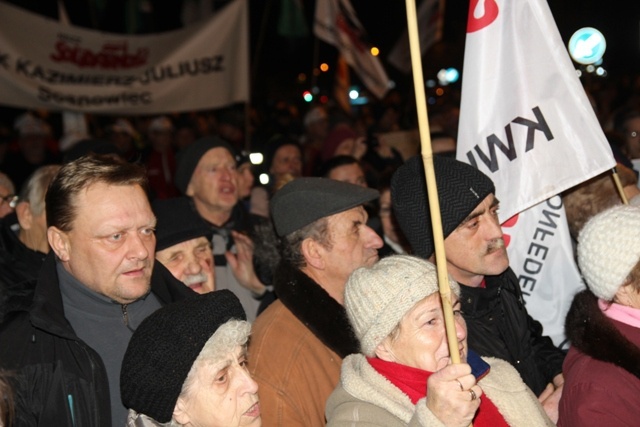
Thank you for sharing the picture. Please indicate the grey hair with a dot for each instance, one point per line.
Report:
(230, 335)
(291, 244)
(6, 182)
(35, 189)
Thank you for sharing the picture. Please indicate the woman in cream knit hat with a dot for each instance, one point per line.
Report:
(602, 368)
(403, 375)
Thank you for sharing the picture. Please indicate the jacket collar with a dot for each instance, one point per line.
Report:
(47, 310)
(313, 306)
(595, 335)
(476, 301)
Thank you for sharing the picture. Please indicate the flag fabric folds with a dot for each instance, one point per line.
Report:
(526, 122)
(336, 23)
(430, 16)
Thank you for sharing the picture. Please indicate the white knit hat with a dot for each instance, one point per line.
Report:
(609, 248)
(377, 298)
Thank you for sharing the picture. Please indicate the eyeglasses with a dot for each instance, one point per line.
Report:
(10, 199)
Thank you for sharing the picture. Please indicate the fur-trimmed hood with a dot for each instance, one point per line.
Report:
(313, 306)
(595, 335)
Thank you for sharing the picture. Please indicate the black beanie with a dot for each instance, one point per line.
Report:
(189, 157)
(177, 222)
(165, 345)
(273, 145)
(461, 188)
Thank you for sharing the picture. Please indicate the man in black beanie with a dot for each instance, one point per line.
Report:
(492, 304)
(207, 173)
(183, 244)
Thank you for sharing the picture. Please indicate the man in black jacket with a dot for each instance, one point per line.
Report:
(492, 304)
(93, 291)
(244, 245)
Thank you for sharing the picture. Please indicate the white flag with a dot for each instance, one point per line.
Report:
(336, 23)
(526, 122)
(430, 15)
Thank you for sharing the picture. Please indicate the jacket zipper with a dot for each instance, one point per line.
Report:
(125, 315)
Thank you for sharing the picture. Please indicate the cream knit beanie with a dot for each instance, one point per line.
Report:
(377, 298)
(609, 248)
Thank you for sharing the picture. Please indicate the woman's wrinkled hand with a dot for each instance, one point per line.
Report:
(453, 395)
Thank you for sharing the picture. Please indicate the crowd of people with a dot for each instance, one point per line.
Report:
(155, 274)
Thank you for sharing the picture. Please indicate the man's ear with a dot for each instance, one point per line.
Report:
(59, 242)
(313, 253)
(179, 412)
(190, 191)
(24, 214)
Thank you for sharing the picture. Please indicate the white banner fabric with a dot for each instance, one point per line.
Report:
(541, 255)
(525, 119)
(45, 64)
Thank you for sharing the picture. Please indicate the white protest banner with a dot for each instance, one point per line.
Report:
(336, 23)
(526, 122)
(60, 67)
(541, 255)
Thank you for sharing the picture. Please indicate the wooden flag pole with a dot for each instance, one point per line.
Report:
(616, 180)
(430, 176)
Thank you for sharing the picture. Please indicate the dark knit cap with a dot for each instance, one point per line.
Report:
(461, 188)
(273, 145)
(305, 200)
(177, 222)
(165, 345)
(189, 157)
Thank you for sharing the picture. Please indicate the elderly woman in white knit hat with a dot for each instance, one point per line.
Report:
(186, 366)
(404, 375)
(602, 368)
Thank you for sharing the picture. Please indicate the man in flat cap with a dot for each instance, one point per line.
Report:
(492, 304)
(207, 174)
(183, 244)
(298, 343)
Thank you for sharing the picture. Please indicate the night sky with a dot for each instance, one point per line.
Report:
(280, 61)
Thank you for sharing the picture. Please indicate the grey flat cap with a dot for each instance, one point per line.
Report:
(305, 200)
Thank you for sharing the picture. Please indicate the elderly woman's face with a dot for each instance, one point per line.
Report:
(223, 395)
(422, 341)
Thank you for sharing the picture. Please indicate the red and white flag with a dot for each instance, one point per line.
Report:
(430, 15)
(336, 23)
(526, 122)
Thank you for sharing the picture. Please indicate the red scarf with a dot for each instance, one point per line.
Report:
(413, 383)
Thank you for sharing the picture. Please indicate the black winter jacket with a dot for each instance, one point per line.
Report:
(19, 268)
(499, 326)
(59, 380)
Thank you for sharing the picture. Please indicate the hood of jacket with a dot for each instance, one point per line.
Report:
(595, 335)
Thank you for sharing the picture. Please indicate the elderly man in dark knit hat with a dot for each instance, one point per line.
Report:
(186, 365)
(183, 244)
(207, 173)
(492, 304)
(300, 340)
